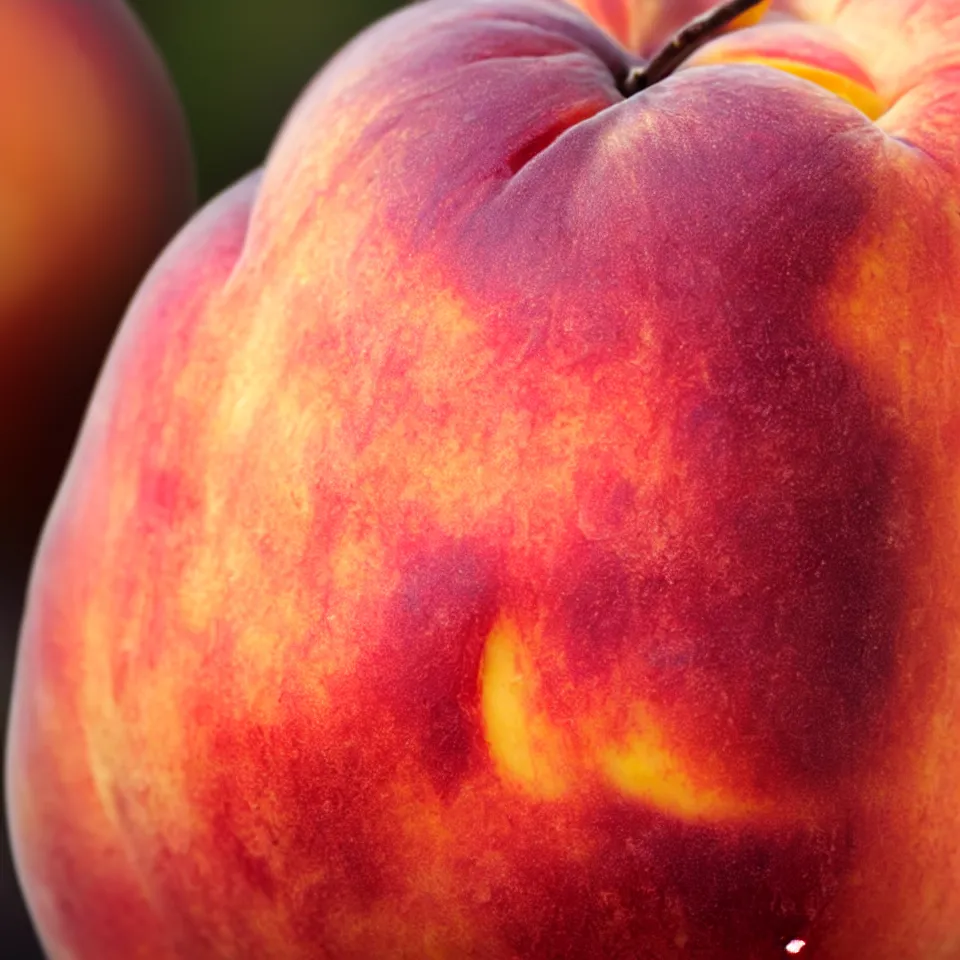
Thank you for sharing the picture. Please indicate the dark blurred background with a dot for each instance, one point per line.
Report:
(238, 65)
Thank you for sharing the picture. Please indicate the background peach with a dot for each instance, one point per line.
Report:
(95, 176)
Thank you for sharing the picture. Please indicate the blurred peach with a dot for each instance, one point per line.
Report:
(95, 176)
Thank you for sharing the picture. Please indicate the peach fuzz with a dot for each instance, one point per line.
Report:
(95, 177)
(522, 520)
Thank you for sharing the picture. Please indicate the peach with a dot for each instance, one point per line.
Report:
(95, 176)
(522, 521)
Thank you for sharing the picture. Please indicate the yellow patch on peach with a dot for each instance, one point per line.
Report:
(644, 767)
(525, 747)
(907, 348)
(867, 101)
(547, 762)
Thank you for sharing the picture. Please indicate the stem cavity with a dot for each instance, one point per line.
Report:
(683, 43)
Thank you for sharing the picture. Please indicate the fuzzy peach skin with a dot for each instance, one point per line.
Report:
(95, 177)
(524, 522)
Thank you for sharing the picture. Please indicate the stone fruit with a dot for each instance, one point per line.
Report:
(523, 521)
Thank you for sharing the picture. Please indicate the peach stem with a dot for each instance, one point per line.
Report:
(683, 43)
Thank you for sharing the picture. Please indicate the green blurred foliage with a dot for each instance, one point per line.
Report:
(240, 65)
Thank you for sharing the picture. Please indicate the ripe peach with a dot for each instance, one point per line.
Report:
(523, 522)
(95, 176)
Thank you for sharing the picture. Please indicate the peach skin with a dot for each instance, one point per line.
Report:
(95, 176)
(521, 522)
